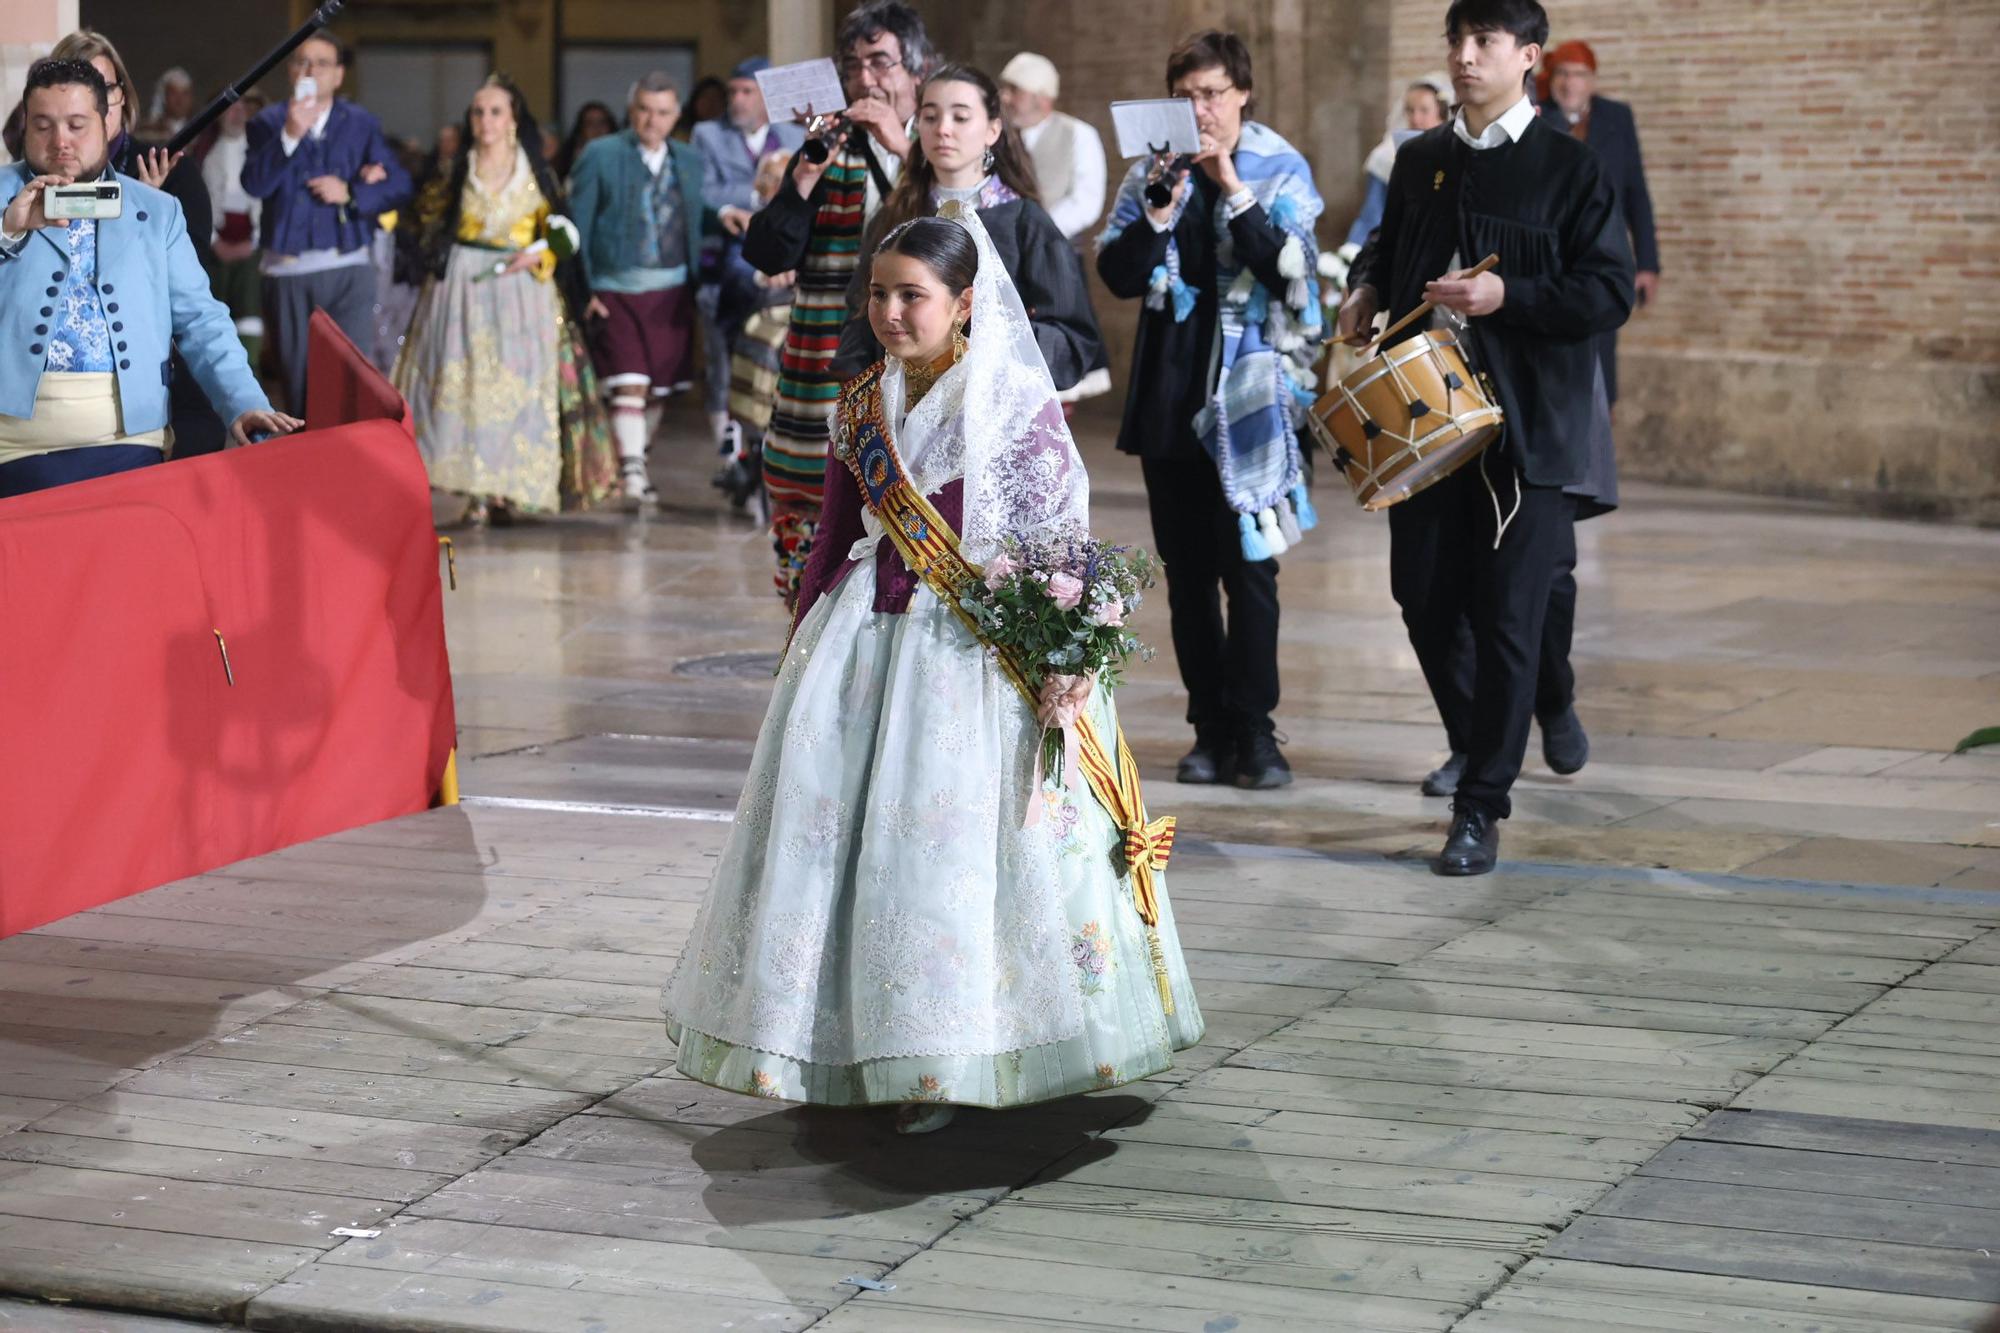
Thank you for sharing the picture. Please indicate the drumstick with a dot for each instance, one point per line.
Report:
(1424, 309)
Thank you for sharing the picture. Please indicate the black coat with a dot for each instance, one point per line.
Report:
(1614, 137)
(197, 428)
(1170, 361)
(1044, 267)
(1544, 206)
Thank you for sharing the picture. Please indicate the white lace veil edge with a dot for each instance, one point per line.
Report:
(1023, 476)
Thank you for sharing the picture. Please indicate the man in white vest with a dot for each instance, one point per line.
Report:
(1068, 154)
(1069, 168)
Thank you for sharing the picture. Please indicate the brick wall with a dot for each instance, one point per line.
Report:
(1312, 61)
(1826, 177)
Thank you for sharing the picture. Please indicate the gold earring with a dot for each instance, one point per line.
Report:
(958, 345)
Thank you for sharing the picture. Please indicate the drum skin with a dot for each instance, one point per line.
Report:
(1406, 419)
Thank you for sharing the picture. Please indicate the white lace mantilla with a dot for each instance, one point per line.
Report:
(994, 420)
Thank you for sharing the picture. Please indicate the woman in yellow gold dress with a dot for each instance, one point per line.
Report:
(503, 412)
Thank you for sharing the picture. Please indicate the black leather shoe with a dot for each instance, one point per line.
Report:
(1211, 761)
(1260, 766)
(1564, 745)
(1443, 780)
(1473, 845)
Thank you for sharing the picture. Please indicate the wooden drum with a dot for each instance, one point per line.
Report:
(1409, 418)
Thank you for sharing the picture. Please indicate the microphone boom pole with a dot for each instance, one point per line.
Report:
(229, 96)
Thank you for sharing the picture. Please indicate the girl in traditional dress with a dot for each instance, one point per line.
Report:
(965, 155)
(885, 926)
(505, 403)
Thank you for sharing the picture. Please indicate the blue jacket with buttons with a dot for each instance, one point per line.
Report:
(155, 295)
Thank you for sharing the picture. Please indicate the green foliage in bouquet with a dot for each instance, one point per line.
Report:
(1063, 607)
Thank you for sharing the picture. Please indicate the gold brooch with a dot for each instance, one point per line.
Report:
(951, 208)
(1437, 181)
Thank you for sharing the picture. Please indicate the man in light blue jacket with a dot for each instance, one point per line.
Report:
(91, 308)
(731, 147)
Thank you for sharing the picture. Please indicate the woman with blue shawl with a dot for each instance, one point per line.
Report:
(1221, 375)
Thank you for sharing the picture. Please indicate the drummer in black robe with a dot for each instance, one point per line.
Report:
(1485, 543)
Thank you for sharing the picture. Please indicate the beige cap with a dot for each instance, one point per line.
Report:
(1033, 74)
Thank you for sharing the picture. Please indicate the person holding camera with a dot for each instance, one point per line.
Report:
(1220, 264)
(324, 171)
(94, 295)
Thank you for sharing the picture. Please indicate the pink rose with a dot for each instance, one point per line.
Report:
(999, 569)
(1110, 612)
(1066, 589)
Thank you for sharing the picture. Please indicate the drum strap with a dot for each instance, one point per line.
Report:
(1500, 525)
(931, 549)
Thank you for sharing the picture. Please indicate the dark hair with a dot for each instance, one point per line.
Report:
(573, 144)
(900, 21)
(51, 73)
(1011, 163)
(1214, 49)
(343, 55)
(709, 84)
(1525, 20)
(940, 245)
(527, 131)
(88, 45)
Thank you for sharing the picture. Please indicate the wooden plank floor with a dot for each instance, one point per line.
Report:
(1869, 1162)
(1741, 1079)
(1421, 1105)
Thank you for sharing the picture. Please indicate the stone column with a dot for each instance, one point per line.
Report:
(28, 28)
(800, 29)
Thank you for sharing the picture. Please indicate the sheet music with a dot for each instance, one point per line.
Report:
(1157, 121)
(790, 89)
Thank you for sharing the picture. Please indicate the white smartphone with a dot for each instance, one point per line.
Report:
(306, 89)
(84, 199)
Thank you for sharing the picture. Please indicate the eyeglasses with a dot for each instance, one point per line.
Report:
(301, 62)
(881, 62)
(1208, 96)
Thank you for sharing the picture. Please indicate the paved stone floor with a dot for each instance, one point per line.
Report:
(1716, 1049)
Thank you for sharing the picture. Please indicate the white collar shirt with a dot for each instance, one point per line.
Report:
(1508, 127)
(318, 131)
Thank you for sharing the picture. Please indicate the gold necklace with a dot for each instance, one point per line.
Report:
(919, 379)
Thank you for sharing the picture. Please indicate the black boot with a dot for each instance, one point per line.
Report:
(1443, 780)
(1259, 764)
(1473, 844)
(1564, 745)
(1211, 761)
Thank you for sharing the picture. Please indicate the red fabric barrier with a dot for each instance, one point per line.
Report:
(127, 756)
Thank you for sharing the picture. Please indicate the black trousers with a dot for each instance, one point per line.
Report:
(1555, 679)
(1228, 664)
(1444, 569)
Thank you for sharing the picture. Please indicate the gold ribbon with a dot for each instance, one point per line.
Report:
(930, 548)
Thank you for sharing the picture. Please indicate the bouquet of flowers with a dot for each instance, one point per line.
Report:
(1059, 609)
